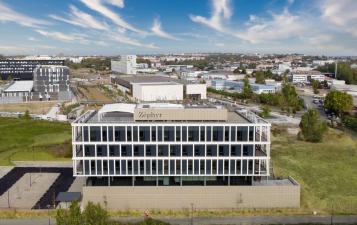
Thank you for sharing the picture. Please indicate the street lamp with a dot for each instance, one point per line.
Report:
(49, 218)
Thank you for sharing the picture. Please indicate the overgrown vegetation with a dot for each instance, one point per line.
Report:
(93, 214)
(23, 139)
(326, 171)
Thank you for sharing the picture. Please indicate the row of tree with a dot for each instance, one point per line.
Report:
(344, 72)
(91, 63)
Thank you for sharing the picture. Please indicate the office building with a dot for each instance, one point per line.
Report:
(52, 82)
(173, 156)
(126, 64)
(171, 144)
(23, 69)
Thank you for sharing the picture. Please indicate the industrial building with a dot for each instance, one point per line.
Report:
(23, 69)
(149, 88)
(126, 64)
(237, 86)
(17, 91)
(202, 154)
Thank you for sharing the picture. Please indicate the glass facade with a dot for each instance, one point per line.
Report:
(171, 150)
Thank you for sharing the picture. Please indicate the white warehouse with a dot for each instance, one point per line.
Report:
(168, 91)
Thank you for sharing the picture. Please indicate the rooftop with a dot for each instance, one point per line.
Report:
(20, 86)
(166, 112)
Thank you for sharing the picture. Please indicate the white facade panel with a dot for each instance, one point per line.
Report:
(197, 89)
(158, 92)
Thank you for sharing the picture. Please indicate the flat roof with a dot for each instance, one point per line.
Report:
(169, 113)
(20, 86)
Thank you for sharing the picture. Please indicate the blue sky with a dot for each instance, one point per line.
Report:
(112, 27)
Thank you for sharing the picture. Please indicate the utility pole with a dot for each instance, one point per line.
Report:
(336, 69)
(8, 199)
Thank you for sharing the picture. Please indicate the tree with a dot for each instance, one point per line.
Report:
(247, 90)
(315, 86)
(338, 102)
(9, 78)
(265, 111)
(260, 77)
(312, 128)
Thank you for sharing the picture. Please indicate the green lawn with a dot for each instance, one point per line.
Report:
(51, 140)
(326, 171)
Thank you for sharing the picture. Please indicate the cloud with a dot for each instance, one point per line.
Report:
(118, 3)
(31, 39)
(130, 41)
(157, 30)
(98, 6)
(278, 27)
(221, 11)
(9, 15)
(342, 14)
(61, 36)
(82, 19)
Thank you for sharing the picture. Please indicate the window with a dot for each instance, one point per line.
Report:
(208, 134)
(150, 150)
(163, 150)
(128, 133)
(144, 133)
(119, 133)
(193, 133)
(178, 133)
(226, 133)
(153, 133)
(217, 133)
(104, 133)
(135, 133)
(169, 133)
(199, 150)
(202, 134)
(211, 150)
(175, 150)
(95, 134)
(187, 150)
(184, 133)
(126, 150)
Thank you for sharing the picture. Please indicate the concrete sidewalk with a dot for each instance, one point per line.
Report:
(215, 220)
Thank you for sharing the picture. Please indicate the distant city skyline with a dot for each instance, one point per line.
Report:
(112, 27)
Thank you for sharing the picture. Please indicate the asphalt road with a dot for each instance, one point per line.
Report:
(217, 220)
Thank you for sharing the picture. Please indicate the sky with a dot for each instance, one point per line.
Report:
(114, 27)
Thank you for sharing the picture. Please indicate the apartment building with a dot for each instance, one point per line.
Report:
(126, 64)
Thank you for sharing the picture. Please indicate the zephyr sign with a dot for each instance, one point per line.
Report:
(149, 115)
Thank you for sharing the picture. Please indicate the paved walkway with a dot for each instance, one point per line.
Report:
(218, 220)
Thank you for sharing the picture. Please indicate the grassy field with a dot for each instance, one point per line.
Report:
(32, 107)
(326, 171)
(51, 140)
(94, 93)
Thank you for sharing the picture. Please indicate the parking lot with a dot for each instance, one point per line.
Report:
(34, 187)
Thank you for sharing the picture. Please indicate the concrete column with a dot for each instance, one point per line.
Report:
(133, 181)
(108, 181)
(157, 181)
(229, 180)
(180, 181)
(204, 181)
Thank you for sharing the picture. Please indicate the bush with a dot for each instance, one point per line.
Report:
(312, 128)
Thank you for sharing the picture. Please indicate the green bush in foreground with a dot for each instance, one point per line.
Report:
(93, 214)
(312, 128)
